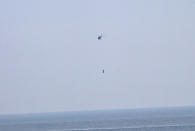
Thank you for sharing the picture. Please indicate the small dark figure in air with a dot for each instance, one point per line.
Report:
(99, 37)
(103, 71)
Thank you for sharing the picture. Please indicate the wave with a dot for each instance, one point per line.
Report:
(132, 127)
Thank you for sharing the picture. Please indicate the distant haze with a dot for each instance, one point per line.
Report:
(51, 59)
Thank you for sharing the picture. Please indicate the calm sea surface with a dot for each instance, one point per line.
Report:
(159, 119)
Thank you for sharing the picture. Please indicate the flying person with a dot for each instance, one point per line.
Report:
(100, 37)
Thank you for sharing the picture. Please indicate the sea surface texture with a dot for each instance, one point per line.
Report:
(159, 119)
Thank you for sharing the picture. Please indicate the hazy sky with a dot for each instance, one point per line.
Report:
(51, 60)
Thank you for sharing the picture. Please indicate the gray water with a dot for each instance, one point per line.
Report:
(159, 119)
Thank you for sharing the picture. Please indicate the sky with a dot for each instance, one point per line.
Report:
(51, 60)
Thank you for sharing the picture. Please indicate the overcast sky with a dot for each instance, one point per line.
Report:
(51, 60)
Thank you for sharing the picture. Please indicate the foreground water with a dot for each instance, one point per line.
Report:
(159, 119)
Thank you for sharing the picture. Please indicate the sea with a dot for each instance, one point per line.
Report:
(149, 119)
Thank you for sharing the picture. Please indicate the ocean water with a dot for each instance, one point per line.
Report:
(157, 119)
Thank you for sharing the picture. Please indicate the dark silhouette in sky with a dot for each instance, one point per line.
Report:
(99, 37)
